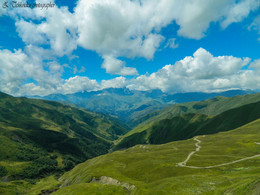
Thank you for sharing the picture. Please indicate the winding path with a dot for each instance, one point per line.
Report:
(198, 147)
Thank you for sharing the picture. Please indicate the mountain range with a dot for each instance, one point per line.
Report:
(128, 105)
(198, 147)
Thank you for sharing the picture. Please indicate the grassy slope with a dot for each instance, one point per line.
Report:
(181, 121)
(37, 129)
(212, 106)
(189, 125)
(152, 168)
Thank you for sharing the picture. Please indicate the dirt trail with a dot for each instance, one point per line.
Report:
(198, 147)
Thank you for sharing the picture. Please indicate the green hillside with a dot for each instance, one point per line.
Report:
(212, 106)
(40, 140)
(223, 163)
(40, 137)
(188, 125)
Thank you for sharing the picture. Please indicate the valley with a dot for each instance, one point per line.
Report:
(41, 138)
(130, 97)
(204, 147)
(133, 106)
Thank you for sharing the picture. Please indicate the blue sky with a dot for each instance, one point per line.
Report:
(194, 45)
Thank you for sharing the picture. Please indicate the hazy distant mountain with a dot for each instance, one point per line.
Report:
(128, 105)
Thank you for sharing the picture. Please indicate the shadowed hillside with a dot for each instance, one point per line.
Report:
(212, 106)
(188, 125)
(41, 137)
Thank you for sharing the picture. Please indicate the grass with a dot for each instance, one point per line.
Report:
(45, 138)
(152, 168)
(27, 187)
(212, 106)
(93, 188)
(46, 184)
(32, 131)
(188, 125)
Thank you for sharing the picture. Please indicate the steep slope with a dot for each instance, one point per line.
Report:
(212, 106)
(223, 163)
(188, 125)
(39, 137)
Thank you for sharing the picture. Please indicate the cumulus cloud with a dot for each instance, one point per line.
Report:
(116, 66)
(77, 83)
(203, 65)
(60, 30)
(55, 27)
(118, 28)
(17, 67)
(118, 82)
(29, 32)
(201, 72)
(124, 28)
(23, 74)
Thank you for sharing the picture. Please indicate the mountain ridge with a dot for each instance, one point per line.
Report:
(127, 105)
(185, 124)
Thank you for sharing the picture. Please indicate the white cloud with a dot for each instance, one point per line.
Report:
(255, 65)
(31, 89)
(29, 32)
(56, 28)
(60, 30)
(116, 66)
(118, 82)
(239, 11)
(201, 72)
(128, 71)
(17, 67)
(118, 28)
(255, 25)
(77, 83)
(124, 28)
(203, 65)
